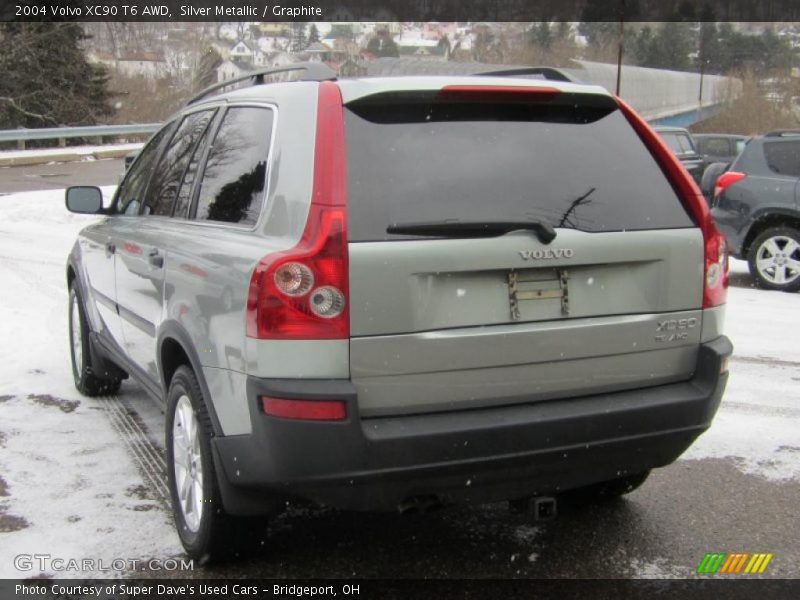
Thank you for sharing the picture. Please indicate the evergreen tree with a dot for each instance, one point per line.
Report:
(299, 41)
(46, 79)
(313, 34)
(382, 44)
(542, 36)
(667, 48)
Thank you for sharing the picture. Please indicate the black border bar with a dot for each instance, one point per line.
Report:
(400, 10)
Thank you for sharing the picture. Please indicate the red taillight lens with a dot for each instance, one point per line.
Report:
(725, 180)
(302, 293)
(304, 410)
(715, 288)
(715, 282)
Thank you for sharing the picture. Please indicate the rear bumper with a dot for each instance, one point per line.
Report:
(466, 456)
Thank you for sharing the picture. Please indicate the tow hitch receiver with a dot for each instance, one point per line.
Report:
(541, 508)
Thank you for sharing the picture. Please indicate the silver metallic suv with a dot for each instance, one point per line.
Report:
(395, 292)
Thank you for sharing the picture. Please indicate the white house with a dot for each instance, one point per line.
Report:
(150, 65)
(233, 68)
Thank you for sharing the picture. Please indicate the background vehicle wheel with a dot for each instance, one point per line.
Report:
(207, 532)
(86, 382)
(606, 491)
(710, 176)
(774, 259)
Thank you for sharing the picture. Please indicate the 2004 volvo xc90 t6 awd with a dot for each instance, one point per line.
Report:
(372, 292)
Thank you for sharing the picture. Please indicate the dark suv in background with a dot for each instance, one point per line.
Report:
(719, 147)
(756, 206)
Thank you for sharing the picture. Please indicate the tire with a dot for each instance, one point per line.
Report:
(85, 380)
(607, 491)
(207, 532)
(710, 176)
(774, 259)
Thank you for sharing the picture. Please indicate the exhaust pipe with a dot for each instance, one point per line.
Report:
(541, 508)
(419, 505)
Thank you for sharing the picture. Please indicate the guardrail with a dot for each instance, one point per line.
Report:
(98, 132)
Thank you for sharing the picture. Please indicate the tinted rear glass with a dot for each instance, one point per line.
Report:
(235, 172)
(783, 157)
(577, 164)
(717, 146)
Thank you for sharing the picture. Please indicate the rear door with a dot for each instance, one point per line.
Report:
(442, 322)
(143, 242)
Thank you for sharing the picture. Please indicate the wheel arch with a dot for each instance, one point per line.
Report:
(175, 348)
(765, 220)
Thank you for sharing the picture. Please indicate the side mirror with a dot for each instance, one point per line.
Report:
(84, 200)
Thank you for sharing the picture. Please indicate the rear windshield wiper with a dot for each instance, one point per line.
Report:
(473, 229)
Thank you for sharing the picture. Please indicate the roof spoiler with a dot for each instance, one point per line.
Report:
(548, 73)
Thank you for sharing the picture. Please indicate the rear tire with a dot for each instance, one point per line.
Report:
(85, 380)
(607, 491)
(774, 259)
(207, 532)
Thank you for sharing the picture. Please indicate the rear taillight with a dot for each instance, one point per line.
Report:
(725, 180)
(715, 281)
(304, 410)
(302, 293)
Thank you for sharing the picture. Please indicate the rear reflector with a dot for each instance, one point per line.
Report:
(726, 180)
(304, 410)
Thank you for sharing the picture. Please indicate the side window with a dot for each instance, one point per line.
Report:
(672, 141)
(686, 143)
(132, 189)
(783, 158)
(169, 173)
(234, 176)
(184, 199)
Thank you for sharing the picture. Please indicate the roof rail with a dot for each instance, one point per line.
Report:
(782, 133)
(314, 71)
(549, 73)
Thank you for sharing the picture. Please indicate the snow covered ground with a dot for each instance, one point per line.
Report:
(70, 487)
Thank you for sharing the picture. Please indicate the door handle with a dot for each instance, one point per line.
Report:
(155, 259)
(111, 248)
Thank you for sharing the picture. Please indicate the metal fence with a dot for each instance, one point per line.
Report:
(94, 132)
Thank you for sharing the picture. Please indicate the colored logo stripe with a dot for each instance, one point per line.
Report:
(734, 563)
(711, 562)
(758, 563)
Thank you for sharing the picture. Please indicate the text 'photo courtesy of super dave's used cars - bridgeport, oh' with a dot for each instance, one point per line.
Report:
(340, 297)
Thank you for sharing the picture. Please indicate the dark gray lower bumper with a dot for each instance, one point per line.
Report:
(474, 456)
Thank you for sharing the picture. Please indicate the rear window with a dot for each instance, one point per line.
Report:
(577, 164)
(716, 146)
(678, 142)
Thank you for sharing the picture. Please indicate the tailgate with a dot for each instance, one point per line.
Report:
(437, 323)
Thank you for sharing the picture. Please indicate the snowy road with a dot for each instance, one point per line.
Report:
(83, 478)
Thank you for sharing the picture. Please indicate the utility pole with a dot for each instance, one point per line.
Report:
(702, 56)
(620, 45)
